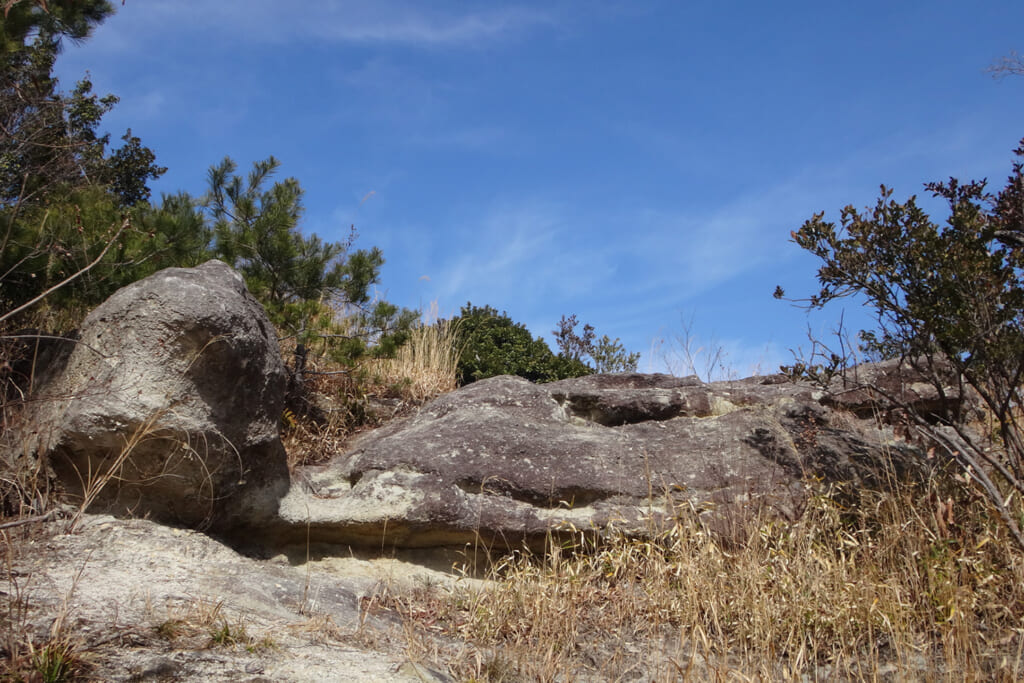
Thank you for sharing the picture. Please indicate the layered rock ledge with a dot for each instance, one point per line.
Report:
(506, 462)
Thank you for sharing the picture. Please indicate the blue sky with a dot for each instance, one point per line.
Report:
(640, 164)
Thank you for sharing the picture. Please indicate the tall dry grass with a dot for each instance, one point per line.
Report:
(920, 584)
(425, 367)
(377, 390)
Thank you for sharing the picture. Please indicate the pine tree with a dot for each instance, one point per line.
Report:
(607, 355)
(64, 200)
(303, 281)
(50, 139)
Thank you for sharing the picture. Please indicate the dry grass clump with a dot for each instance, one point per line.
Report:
(341, 404)
(423, 368)
(204, 623)
(345, 401)
(26, 652)
(24, 487)
(912, 585)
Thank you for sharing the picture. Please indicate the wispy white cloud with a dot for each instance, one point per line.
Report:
(333, 21)
(143, 105)
(619, 268)
(527, 253)
(480, 138)
(539, 259)
(539, 254)
(420, 110)
(375, 88)
(411, 25)
(687, 253)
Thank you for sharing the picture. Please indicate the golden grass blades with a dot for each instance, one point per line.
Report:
(888, 590)
(425, 367)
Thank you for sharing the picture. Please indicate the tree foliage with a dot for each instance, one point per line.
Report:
(48, 244)
(53, 20)
(50, 138)
(493, 344)
(303, 281)
(949, 300)
(65, 198)
(609, 355)
(1008, 65)
(606, 354)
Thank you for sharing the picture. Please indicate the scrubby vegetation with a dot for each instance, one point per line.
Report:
(920, 584)
(493, 344)
(948, 301)
(926, 582)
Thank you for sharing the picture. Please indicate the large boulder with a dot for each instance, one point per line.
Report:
(887, 389)
(506, 462)
(169, 402)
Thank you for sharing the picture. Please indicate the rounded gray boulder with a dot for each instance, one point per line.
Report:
(168, 404)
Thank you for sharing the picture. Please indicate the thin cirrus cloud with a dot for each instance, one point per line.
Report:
(536, 252)
(699, 251)
(522, 253)
(418, 28)
(684, 254)
(399, 96)
(340, 21)
(479, 138)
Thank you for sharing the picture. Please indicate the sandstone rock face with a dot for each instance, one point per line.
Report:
(143, 599)
(506, 461)
(869, 389)
(174, 390)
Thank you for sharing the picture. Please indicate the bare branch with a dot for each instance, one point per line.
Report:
(74, 276)
(54, 337)
(1008, 65)
(52, 514)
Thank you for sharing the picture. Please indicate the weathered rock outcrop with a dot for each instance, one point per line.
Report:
(175, 389)
(145, 602)
(885, 389)
(173, 392)
(506, 461)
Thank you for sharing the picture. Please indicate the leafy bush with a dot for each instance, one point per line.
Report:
(493, 344)
(606, 355)
(949, 301)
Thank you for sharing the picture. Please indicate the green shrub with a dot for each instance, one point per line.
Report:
(493, 344)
